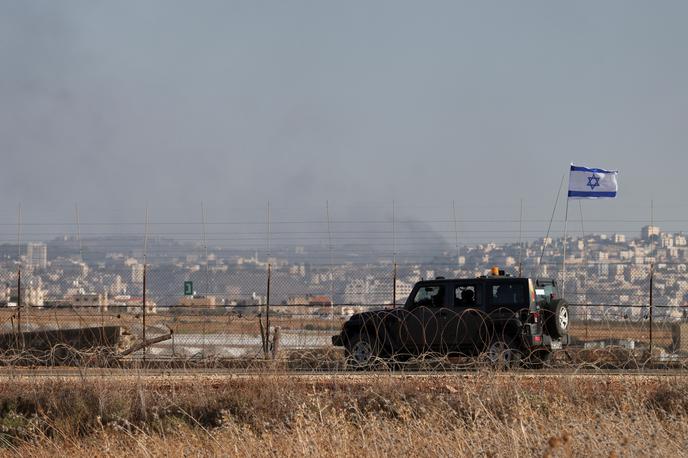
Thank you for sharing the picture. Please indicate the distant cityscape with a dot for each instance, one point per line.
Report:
(608, 272)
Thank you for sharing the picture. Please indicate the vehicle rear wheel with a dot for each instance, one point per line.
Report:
(503, 356)
(361, 351)
(557, 318)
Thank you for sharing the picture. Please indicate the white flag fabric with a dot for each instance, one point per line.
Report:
(591, 183)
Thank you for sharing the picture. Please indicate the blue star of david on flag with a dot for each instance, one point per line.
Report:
(592, 183)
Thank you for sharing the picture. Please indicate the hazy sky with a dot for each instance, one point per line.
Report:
(119, 105)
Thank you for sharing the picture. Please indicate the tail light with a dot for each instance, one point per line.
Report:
(537, 339)
(536, 317)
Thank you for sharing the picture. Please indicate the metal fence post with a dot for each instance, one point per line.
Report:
(144, 313)
(276, 342)
(204, 330)
(267, 312)
(20, 337)
(651, 304)
(19, 304)
(394, 286)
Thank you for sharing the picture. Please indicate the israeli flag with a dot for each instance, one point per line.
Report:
(589, 183)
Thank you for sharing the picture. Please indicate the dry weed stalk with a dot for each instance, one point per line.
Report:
(445, 415)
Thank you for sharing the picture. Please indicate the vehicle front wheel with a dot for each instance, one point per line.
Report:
(361, 351)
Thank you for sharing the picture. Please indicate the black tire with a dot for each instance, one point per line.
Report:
(557, 318)
(361, 351)
(503, 355)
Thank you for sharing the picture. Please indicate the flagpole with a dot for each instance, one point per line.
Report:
(563, 267)
(580, 210)
(566, 223)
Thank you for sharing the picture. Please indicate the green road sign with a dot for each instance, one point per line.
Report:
(188, 288)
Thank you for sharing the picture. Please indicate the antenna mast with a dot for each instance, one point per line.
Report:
(394, 255)
(78, 233)
(456, 233)
(19, 218)
(520, 240)
(205, 250)
(394, 233)
(544, 242)
(268, 234)
(145, 240)
(205, 239)
(329, 243)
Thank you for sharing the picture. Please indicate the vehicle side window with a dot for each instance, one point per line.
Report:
(508, 294)
(544, 293)
(466, 296)
(429, 296)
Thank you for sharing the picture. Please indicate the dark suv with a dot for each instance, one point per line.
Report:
(507, 319)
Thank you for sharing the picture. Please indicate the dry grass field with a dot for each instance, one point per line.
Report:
(479, 414)
(183, 321)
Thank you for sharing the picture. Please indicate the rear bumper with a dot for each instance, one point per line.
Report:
(533, 337)
(546, 341)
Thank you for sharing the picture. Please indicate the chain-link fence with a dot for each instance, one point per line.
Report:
(626, 314)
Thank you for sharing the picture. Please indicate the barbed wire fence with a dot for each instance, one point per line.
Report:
(132, 294)
(223, 319)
